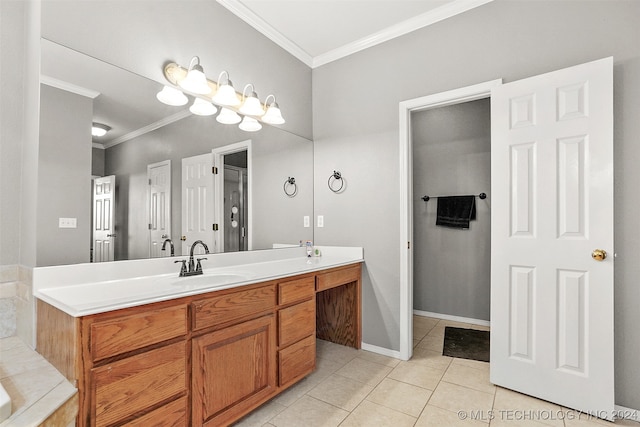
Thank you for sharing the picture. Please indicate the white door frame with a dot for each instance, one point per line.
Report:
(442, 99)
(218, 161)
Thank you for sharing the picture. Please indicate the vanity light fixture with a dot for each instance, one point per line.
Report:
(249, 124)
(172, 96)
(273, 116)
(99, 129)
(201, 107)
(251, 105)
(195, 81)
(228, 117)
(226, 94)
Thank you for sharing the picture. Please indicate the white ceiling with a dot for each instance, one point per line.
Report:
(320, 31)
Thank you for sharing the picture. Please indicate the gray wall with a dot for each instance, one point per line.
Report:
(452, 156)
(276, 155)
(97, 161)
(355, 105)
(64, 184)
(11, 131)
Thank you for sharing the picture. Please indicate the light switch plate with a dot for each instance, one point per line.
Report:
(320, 221)
(307, 223)
(67, 222)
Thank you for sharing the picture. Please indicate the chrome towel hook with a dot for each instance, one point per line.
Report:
(290, 187)
(336, 176)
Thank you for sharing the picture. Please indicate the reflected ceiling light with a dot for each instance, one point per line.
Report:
(249, 124)
(99, 129)
(228, 117)
(195, 81)
(273, 116)
(251, 104)
(201, 107)
(226, 94)
(172, 96)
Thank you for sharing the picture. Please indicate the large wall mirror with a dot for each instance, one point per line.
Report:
(149, 178)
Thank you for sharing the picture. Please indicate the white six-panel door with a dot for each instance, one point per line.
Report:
(552, 185)
(197, 202)
(103, 233)
(159, 205)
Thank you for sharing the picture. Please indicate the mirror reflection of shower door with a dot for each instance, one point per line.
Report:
(159, 205)
(103, 227)
(235, 202)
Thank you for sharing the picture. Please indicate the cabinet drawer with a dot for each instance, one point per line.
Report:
(113, 337)
(122, 388)
(296, 360)
(234, 306)
(337, 278)
(296, 322)
(172, 414)
(296, 290)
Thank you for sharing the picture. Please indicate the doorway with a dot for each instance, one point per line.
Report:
(233, 187)
(457, 96)
(235, 201)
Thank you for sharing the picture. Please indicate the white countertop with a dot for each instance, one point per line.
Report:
(84, 289)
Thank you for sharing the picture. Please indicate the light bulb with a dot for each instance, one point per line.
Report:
(172, 96)
(228, 117)
(249, 124)
(201, 107)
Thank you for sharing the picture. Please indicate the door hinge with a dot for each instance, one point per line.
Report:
(408, 245)
(214, 170)
(149, 181)
(215, 227)
(149, 226)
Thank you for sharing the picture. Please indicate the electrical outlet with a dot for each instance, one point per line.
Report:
(307, 223)
(320, 221)
(67, 222)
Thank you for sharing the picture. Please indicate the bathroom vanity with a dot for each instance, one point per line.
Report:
(206, 355)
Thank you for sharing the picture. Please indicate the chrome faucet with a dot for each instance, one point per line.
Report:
(194, 268)
(164, 244)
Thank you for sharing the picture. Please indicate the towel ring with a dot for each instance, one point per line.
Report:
(290, 182)
(337, 176)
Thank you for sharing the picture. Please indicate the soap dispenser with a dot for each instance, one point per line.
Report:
(309, 248)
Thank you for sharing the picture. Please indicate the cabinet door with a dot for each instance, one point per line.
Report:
(234, 370)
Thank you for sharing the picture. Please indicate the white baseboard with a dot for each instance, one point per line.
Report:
(453, 318)
(623, 413)
(381, 350)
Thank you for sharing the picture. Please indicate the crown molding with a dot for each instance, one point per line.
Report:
(69, 87)
(149, 128)
(247, 15)
(420, 21)
(428, 18)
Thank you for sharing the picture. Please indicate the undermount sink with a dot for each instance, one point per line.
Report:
(207, 280)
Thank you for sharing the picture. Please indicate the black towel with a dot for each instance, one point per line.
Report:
(456, 211)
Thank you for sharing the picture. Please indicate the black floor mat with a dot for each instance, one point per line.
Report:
(466, 344)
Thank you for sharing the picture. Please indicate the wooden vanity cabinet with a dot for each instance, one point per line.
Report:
(296, 329)
(135, 365)
(234, 358)
(206, 359)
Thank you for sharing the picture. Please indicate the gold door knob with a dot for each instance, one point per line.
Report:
(599, 254)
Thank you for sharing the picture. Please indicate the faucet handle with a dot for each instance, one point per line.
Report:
(183, 268)
(198, 265)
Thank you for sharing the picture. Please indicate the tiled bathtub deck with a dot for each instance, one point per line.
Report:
(40, 394)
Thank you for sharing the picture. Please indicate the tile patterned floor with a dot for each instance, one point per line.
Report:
(357, 388)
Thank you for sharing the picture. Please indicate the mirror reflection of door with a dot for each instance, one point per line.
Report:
(197, 202)
(235, 202)
(159, 206)
(103, 231)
